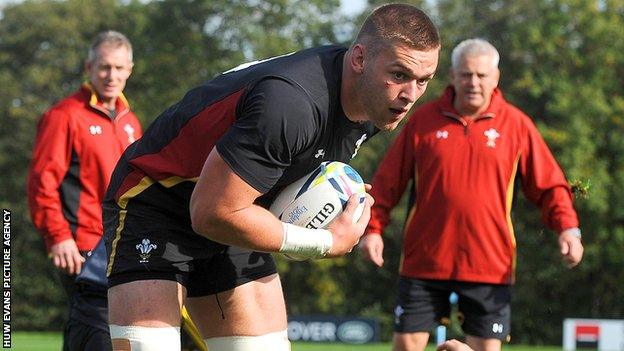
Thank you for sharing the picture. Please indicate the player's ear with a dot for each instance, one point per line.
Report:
(356, 59)
(129, 69)
(497, 76)
(88, 66)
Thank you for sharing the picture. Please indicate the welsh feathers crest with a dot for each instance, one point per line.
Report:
(491, 135)
(145, 248)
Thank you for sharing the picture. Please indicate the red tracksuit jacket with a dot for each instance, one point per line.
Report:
(459, 226)
(76, 149)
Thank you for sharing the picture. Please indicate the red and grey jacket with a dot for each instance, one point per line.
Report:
(76, 149)
(459, 225)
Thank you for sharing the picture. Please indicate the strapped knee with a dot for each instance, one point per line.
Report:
(277, 341)
(135, 338)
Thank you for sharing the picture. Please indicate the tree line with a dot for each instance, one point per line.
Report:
(561, 62)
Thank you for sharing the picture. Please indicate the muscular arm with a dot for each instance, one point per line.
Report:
(222, 209)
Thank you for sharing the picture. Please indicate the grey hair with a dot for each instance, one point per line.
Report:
(474, 47)
(109, 37)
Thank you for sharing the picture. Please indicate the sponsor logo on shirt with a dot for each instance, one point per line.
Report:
(442, 134)
(358, 143)
(130, 131)
(95, 129)
(491, 135)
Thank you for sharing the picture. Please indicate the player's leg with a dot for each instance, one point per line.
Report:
(409, 341)
(144, 315)
(236, 301)
(487, 314)
(148, 265)
(254, 308)
(421, 305)
(255, 314)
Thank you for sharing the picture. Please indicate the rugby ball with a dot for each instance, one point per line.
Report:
(320, 196)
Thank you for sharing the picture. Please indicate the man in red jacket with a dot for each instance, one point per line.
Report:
(463, 152)
(79, 141)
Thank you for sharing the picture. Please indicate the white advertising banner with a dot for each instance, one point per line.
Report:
(593, 334)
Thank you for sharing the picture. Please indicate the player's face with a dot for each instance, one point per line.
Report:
(393, 81)
(474, 81)
(109, 72)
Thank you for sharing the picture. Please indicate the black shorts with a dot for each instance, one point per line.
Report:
(143, 243)
(483, 309)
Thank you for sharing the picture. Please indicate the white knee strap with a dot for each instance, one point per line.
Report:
(134, 338)
(277, 341)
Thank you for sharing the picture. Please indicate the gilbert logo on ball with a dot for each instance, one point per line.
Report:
(320, 196)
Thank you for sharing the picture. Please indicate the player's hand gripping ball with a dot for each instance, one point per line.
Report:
(320, 196)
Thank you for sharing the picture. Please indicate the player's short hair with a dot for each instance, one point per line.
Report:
(474, 47)
(398, 23)
(109, 37)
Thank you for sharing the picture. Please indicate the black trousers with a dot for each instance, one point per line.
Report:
(83, 337)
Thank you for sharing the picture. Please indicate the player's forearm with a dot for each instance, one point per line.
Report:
(251, 227)
(48, 218)
(379, 220)
(52, 238)
(44, 200)
(557, 209)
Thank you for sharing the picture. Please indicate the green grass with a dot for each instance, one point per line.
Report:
(36, 341)
(52, 342)
(303, 346)
(388, 347)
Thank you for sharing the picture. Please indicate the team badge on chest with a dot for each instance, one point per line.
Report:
(130, 131)
(491, 135)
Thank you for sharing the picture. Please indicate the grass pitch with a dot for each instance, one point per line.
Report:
(388, 347)
(31, 341)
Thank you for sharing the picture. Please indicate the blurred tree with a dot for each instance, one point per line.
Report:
(177, 45)
(42, 48)
(561, 63)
